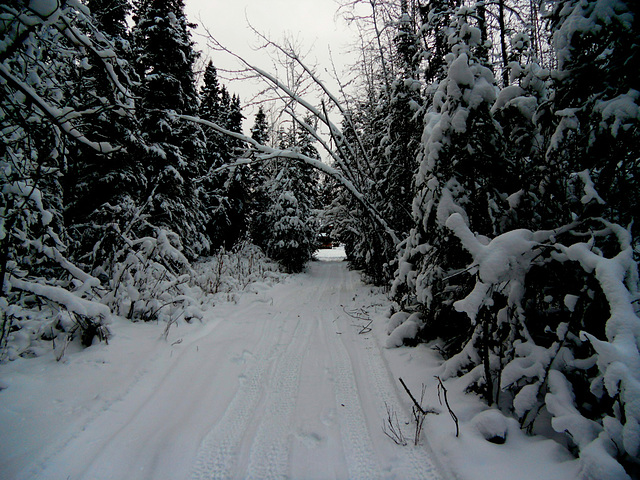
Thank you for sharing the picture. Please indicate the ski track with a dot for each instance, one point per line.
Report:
(307, 400)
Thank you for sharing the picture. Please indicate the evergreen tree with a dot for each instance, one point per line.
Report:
(227, 189)
(237, 184)
(175, 157)
(49, 106)
(260, 129)
(436, 20)
(595, 96)
(536, 318)
(384, 134)
(402, 131)
(259, 175)
(111, 16)
(100, 190)
(216, 155)
(461, 170)
(289, 226)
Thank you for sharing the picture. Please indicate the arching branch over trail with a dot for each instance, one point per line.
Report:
(261, 153)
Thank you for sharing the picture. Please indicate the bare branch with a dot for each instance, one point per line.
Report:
(392, 429)
(267, 153)
(443, 391)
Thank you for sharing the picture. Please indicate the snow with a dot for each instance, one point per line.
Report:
(278, 383)
(560, 403)
(514, 199)
(505, 257)
(590, 192)
(61, 296)
(406, 331)
(29, 192)
(396, 320)
(506, 95)
(460, 73)
(44, 8)
(335, 254)
(471, 456)
(622, 111)
(492, 425)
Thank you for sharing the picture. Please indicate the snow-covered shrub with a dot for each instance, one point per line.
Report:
(44, 295)
(403, 329)
(556, 327)
(403, 334)
(522, 257)
(367, 248)
(228, 272)
(151, 279)
(396, 320)
(45, 105)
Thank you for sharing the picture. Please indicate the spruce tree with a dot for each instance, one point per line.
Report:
(461, 170)
(383, 134)
(289, 225)
(237, 184)
(402, 131)
(101, 191)
(259, 177)
(595, 96)
(216, 155)
(175, 155)
(227, 188)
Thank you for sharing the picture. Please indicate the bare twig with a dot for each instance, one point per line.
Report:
(357, 314)
(391, 427)
(415, 402)
(419, 413)
(419, 418)
(443, 390)
(366, 328)
(360, 314)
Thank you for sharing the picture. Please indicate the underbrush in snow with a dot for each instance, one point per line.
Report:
(225, 275)
(150, 281)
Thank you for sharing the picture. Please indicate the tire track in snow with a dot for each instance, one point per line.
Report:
(375, 380)
(269, 456)
(220, 451)
(109, 428)
(356, 439)
(416, 463)
(216, 456)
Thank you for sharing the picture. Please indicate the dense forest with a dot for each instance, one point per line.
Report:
(485, 169)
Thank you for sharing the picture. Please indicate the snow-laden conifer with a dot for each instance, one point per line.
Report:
(165, 58)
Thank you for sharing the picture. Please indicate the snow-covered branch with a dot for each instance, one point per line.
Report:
(54, 114)
(266, 152)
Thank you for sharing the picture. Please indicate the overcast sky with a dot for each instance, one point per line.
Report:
(312, 22)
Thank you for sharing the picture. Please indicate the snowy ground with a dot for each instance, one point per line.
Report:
(279, 385)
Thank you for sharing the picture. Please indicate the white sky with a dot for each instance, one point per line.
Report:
(312, 22)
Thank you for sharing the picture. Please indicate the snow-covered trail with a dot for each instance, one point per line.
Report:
(279, 386)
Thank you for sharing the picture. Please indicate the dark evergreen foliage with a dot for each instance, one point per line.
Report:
(227, 189)
(259, 177)
(287, 228)
(97, 186)
(174, 159)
